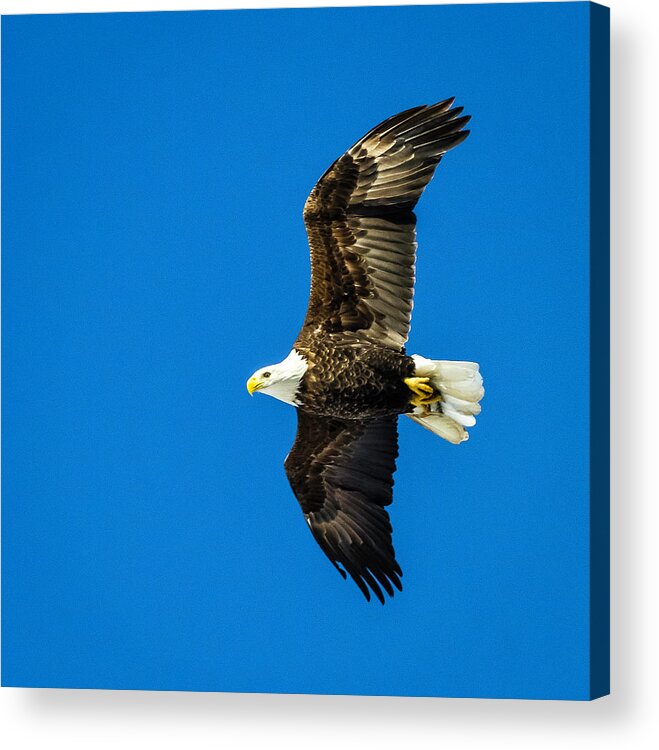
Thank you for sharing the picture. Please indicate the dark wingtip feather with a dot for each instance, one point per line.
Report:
(362, 587)
(455, 139)
(371, 581)
(460, 121)
(443, 105)
(395, 580)
(344, 575)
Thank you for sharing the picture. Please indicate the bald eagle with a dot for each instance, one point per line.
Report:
(348, 374)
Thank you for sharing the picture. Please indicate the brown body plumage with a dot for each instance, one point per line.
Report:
(353, 380)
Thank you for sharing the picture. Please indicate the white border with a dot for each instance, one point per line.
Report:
(97, 719)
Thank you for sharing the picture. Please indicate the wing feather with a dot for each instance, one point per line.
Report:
(341, 472)
(361, 226)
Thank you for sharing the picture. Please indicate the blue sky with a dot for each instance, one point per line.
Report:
(154, 171)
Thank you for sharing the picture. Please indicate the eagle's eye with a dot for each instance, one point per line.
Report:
(266, 374)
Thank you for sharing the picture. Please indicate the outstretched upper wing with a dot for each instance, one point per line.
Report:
(362, 230)
(341, 472)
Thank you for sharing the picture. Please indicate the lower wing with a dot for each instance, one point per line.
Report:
(341, 472)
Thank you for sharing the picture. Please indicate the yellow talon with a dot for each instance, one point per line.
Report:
(419, 386)
(424, 393)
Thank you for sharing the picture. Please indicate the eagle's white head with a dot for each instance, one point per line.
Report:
(281, 380)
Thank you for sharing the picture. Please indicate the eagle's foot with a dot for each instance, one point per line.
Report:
(424, 393)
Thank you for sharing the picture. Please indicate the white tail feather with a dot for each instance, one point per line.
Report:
(460, 385)
(442, 425)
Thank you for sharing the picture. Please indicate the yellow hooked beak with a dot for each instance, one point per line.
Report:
(254, 384)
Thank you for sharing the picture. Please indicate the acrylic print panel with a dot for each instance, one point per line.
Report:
(155, 167)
